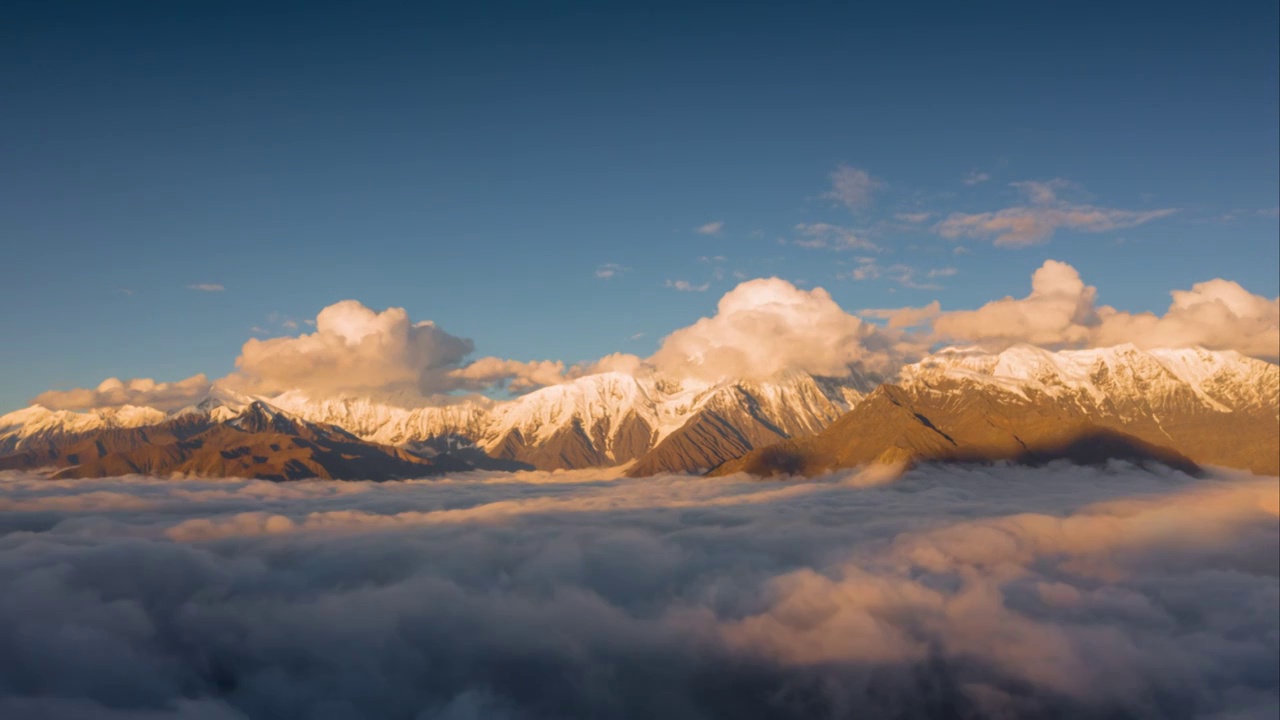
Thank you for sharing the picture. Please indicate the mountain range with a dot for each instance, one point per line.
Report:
(1184, 405)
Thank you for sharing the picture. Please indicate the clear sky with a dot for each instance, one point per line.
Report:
(485, 165)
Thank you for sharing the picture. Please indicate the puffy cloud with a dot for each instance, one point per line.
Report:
(1025, 225)
(1062, 311)
(1046, 593)
(619, 362)
(354, 350)
(711, 228)
(1059, 312)
(766, 326)
(515, 375)
(852, 187)
(974, 177)
(1218, 314)
(906, 317)
(114, 393)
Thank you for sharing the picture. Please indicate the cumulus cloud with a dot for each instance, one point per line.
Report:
(1062, 311)
(515, 375)
(852, 187)
(974, 177)
(206, 287)
(906, 317)
(766, 326)
(834, 237)
(1032, 224)
(1054, 592)
(354, 350)
(114, 393)
(711, 228)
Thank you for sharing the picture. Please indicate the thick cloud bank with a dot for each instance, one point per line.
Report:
(1062, 311)
(114, 392)
(996, 592)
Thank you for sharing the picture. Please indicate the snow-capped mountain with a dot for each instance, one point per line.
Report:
(1120, 381)
(606, 419)
(1216, 408)
(1222, 405)
(35, 424)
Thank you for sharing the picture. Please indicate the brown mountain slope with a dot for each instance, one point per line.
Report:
(72, 449)
(894, 425)
(576, 446)
(746, 416)
(259, 443)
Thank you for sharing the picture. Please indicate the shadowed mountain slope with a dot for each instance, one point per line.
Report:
(260, 442)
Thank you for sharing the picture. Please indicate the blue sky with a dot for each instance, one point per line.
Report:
(478, 164)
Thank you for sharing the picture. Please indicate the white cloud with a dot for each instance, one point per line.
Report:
(852, 187)
(1062, 311)
(711, 228)
(906, 317)
(206, 287)
(354, 350)
(114, 393)
(686, 286)
(515, 375)
(942, 272)
(1025, 225)
(904, 275)
(766, 326)
(609, 270)
(833, 237)
(974, 177)
(1059, 312)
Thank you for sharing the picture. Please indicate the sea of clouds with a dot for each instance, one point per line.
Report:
(999, 592)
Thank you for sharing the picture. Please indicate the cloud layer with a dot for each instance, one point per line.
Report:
(114, 392)
(994, 592)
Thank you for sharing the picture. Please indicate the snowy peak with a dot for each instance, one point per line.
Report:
(604, 399)
(1219, 381)
(37, 422)
(219, 405)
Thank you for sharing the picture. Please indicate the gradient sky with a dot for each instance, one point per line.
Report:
(480, 163)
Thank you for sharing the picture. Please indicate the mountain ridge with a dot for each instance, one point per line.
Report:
(1204, 400)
